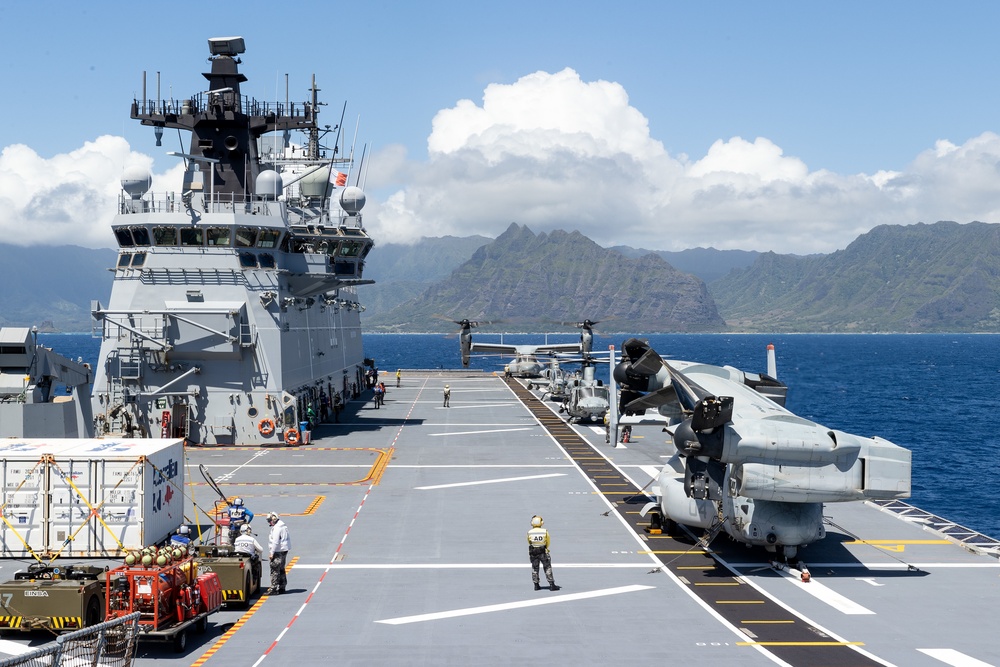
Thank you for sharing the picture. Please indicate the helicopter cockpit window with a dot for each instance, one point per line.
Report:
(218, 236)
(164, 236)
(192, 236)
(268, 238)
(124, 237)
(246, 237)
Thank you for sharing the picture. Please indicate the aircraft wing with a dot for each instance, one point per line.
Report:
(504, 348)
(494, 347)
(558, 347)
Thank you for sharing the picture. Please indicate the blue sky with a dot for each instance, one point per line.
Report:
(783, 126)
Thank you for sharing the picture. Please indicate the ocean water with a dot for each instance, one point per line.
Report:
(935, 394)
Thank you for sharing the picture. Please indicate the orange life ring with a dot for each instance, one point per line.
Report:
(266, 426)
(292, 436)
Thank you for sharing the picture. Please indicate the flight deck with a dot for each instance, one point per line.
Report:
(408, 527)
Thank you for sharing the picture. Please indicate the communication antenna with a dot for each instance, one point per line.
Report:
(364, 180)
(354, 142)
(361, 163)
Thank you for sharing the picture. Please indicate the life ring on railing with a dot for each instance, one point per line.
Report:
(266, 427)
(292, 436)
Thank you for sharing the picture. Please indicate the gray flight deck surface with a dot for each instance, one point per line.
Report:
(408, 532)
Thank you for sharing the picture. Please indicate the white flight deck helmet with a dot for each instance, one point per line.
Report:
(536, 521)
(245, 529)
(183, 530)
(272, 518)
(238, 502)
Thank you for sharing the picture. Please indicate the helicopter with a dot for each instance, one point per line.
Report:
(554, 377)
(587, 399)
(745, 465)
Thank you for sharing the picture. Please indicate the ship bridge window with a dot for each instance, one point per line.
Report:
(141, 235)
(138, 259)
(268, 238)
(124, 260)
(248, 260)
(246, 237)
(124, 237)
(192, 236)
(218, 236)
(350, 249)
(266, 260)
(164, 236)
(344, 268)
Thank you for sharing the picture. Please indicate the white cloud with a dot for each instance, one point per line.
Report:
(555, 152)
(68, 198)
(552, 151)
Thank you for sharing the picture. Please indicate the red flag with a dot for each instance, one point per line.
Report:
(341, 179)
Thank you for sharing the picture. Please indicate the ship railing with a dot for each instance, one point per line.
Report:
(230, 202)
(225, 101)
(129, 329)
(310, 217)
(172, 202)
(247, 335)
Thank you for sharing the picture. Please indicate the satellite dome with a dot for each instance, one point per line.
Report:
(136, 181)
(269, 184)
(352, 199)
(316, 185)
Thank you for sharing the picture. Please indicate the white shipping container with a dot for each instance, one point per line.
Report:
(89, 497)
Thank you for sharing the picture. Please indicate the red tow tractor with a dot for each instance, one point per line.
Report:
(168, 593)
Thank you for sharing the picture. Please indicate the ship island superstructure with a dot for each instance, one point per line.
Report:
(234, 304)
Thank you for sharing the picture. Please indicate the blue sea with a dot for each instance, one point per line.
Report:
(935, 394)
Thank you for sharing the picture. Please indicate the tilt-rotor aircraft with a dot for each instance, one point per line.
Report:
(525, 363)
(744, 464)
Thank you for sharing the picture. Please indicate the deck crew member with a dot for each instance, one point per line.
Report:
(538, 552)
(248, 545)
(338, 405)
(239, 514)
(399, 374)
(447, 396)
(182, 538)
(278, 545)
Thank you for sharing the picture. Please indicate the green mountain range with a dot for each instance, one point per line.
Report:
(924, 277)
(403, 272)
(530, 280)
(914, 278)
(52, 286)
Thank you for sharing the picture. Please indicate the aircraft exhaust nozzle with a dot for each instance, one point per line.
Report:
(691, 442)
(625, 375)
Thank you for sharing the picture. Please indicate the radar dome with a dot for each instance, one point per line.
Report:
(352, 199)
(269, 184)
(316, 185)
(136, 181)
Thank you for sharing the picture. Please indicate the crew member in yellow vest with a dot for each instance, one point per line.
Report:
(538, 552)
